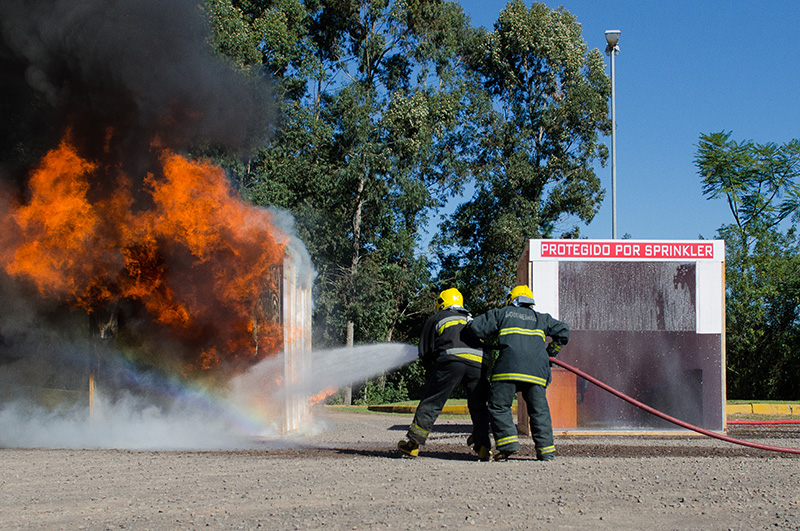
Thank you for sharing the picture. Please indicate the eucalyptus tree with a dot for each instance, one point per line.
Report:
(375, 106)
(397, 120)
(760, 184)
(533, 171)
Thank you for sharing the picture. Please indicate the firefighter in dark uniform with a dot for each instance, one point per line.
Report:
(522, 365)
(451, 354)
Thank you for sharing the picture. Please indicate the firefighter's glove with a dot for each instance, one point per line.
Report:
(553, 349)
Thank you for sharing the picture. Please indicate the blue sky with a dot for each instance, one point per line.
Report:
(685, 68)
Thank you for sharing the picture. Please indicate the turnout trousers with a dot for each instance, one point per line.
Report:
(504, 428)
(442, 380)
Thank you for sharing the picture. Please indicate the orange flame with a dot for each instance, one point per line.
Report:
(56, 225)
(194, 256)
(322, 395)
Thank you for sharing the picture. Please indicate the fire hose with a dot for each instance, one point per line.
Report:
(669, 418)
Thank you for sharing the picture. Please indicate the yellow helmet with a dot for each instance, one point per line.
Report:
(520, 291)
(449, 297)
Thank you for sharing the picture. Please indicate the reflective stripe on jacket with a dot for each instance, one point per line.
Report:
(445, 336)
(522, 339)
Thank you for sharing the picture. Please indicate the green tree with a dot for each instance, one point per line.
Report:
(533, 166)
(386, 110)
(759, 183)
(365, 151)
(374, 113)
(267, 38)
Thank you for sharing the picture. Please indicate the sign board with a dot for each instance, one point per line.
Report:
(625, 250)
(646, 317)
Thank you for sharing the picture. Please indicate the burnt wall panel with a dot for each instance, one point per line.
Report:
(643, 296)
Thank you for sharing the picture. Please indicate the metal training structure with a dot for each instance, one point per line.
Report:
(647, 317)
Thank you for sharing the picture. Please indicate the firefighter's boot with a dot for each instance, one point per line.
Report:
(484, 454)
(502, 455)
(410, 448)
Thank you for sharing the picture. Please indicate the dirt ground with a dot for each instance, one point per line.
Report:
(348, 476)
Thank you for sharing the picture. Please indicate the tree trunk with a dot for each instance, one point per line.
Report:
(348, 390)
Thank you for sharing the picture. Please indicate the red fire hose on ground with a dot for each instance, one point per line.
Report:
(668, 418)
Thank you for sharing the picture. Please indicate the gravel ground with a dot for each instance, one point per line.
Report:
(348, 476)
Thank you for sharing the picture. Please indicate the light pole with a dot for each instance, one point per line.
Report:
(612, 49)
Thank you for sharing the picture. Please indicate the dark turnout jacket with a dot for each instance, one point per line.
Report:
(521, 336)
(445, 337)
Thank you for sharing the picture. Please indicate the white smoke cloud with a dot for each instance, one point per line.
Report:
(295, 248)
(126, 424)
(175, 417)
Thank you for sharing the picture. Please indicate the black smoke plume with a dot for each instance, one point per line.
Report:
(116, 76)
(137, 70)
